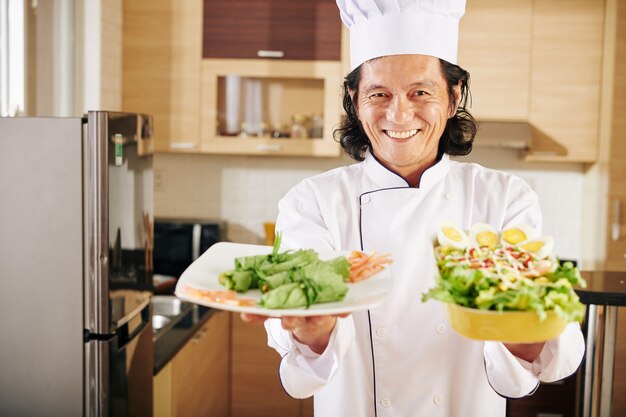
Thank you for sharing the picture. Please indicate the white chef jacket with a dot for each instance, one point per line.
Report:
(402, 358)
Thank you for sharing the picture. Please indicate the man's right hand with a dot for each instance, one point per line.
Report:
(313, 331)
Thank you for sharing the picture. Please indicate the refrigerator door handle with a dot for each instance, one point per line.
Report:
(96, 222)
(96, 379)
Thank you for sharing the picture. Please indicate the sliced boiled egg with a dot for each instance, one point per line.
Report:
(513, 236)
(541, 247)
(451, 235)
(482, 235)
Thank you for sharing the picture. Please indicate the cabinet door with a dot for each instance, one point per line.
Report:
(200, 380)
(494, 46)
(256, 388)
(565, 85)
(162, 44)
(289, 29)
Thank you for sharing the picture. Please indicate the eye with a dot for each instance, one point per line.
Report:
(420, 93)
(377, 95)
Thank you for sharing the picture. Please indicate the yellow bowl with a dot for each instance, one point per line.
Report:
(506, 326)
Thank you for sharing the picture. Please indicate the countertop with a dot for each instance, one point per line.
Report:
(167, 344)
(603, 288)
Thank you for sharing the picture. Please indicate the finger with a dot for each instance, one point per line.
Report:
(342, 315)
(290, 322)
(319, 321)
(253, 318)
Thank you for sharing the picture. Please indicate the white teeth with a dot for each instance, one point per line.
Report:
(401, 135)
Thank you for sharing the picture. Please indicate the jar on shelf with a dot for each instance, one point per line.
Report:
(317, 126)
(299, 126)
(281, 131)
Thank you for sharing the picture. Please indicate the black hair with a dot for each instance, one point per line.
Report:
(458, 135)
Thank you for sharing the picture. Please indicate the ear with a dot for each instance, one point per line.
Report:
(351, 92)
(456, 90)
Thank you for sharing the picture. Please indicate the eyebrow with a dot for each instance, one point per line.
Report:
(427, 83)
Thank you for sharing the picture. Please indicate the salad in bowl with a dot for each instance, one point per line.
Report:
(505, 286)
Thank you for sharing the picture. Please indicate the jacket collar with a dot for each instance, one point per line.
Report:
(385, 178)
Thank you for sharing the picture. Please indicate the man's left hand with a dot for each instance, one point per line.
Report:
(527, 351)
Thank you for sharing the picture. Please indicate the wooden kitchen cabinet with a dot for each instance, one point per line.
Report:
(286, 29)
(566, 78)
(532, 61)
(162, 55)
(256, 387)
(196, 382)
(616, 216)
(495, 47)
(538, 61)
(164, 73)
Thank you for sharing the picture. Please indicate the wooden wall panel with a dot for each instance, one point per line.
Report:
(616, 249)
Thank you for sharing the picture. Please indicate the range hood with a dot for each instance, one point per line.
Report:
(503, 135)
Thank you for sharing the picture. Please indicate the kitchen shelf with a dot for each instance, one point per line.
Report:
(268, 146)
(314, 85)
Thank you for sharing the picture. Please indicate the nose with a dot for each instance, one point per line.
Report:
(400, 110)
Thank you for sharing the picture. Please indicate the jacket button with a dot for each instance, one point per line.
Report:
(449, 196)
(385, 402)
(381, 332)
(438, 399)
(366, 199)
(441, 328)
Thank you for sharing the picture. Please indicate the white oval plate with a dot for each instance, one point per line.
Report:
(203, 275)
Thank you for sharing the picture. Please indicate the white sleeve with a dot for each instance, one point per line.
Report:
(512, 377)
(300, 220)
(523, 206)
(303, 372)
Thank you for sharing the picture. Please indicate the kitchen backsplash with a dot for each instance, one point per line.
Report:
(244, 190)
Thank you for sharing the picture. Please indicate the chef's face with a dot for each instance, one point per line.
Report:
(403, 105)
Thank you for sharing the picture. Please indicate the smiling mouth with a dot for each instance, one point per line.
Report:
(401, 134)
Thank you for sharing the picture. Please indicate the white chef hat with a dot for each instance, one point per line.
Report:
(398, 27)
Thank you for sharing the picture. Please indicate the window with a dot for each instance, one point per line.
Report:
(12, 58)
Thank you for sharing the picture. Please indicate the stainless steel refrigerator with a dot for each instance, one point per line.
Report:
(76, 266)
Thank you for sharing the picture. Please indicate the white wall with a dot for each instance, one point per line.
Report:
(560, 190)
(245, 190)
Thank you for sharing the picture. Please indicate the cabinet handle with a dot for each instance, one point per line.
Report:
(269, 147)
(615, 227)
(263, 53)
(183, 145)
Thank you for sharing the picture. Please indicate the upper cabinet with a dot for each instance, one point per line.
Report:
(566, 77)
(271, 73)
(538, 61)
(162, 57)
(495, 47)
(246, 77)
(285, 29)
(264, 76)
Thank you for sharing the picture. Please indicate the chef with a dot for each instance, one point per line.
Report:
(405, 101)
